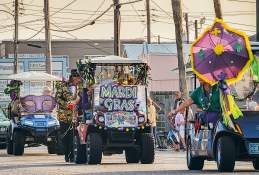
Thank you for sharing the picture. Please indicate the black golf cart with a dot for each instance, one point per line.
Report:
(117, 120)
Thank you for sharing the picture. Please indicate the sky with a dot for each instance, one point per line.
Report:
(70, 14)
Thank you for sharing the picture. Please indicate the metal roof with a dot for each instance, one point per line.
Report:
(112, 59)
(138, 50)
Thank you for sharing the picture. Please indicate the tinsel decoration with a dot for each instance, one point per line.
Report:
(13, 88)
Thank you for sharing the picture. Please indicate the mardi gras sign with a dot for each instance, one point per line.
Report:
(118, 98)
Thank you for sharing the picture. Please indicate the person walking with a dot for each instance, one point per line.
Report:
(66, 94)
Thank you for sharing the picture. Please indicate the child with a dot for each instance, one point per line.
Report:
(179, 125)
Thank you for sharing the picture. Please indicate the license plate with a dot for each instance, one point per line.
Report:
(253, 148)
(39, 116)
(2, 129)
(40, 123)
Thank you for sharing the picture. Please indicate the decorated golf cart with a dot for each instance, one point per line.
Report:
(33, 121)
(223, 57)
(117, 120)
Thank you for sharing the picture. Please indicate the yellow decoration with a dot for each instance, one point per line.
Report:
(216, 31)
(219, 49)
(100, 127)
(142, 127)
(127, 129)
(248, 48)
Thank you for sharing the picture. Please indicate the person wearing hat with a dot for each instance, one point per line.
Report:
(46, 91)
(67, 92)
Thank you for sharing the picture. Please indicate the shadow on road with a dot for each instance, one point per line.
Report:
(170, 172)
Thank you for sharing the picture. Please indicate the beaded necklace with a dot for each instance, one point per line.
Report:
(206, 99)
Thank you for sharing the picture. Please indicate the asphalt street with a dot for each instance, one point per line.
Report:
(36, 161)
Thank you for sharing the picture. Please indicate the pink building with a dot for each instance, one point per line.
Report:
(162, 59)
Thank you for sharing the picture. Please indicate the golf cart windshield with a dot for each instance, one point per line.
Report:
(119, 88)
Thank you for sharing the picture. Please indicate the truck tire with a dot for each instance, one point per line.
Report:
(10, 147)
(18, 143)
(147, 145)
(132, 155)
(94, 148)
(79, 151)
(225, 154)
(52, 148)
(193, 163)
(256, 164)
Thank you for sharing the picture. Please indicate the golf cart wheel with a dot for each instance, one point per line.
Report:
(10, 147)
(79, 151)
(225, 154)
(147, 148)
(256, 164)
(193, 163)
(59, 145)
(132, 155)
(94, 148)
(18, 143)
(52, 148)
(2, 146)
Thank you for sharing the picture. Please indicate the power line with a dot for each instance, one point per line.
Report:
(252, 2)
(169, 14)
(88, 23)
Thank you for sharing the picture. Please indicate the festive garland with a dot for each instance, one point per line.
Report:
(13, 88)
(143, 74)
(87, 71)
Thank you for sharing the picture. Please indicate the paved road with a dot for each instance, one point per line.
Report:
(37, 161)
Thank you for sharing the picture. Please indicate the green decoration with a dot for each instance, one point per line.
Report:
(238, 47)
(87, 71)
(201, 54)
(142, 73)
(255, 69)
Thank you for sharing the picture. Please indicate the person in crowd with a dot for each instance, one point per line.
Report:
(66, 94)
(152, 115)
(180, 127)
(172, 133)
(207, 98)
(46, 91)
(178, 100)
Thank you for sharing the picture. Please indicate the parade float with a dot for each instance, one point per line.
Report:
(116, 120)
(31, 115)
(221, 56)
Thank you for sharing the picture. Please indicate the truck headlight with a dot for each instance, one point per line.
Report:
(53, 123)
(101, 119)
(141, 119)
(28, 122)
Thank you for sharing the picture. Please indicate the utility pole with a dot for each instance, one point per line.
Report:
(257, 20)
(158, 39)
(196, 28)
(178, 15)
(196, 36)
(217, 7)
(117, 27)
(148, 21)
(16, 21)
(187, 28)
(47, 38)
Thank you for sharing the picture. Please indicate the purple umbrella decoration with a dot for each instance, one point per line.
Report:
(221, 50)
